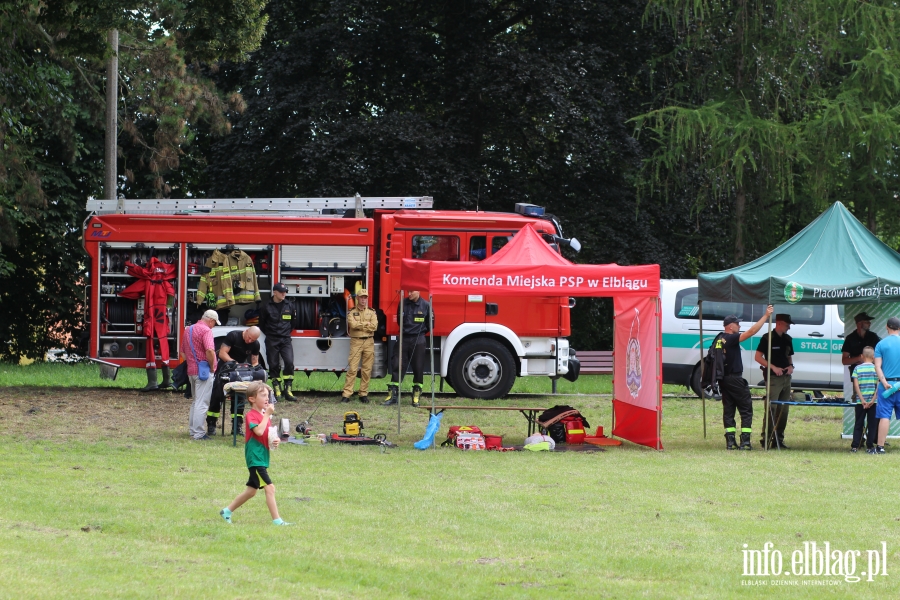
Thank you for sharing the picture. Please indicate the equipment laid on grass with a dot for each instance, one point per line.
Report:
(564, 424)
(379, 439)
(434, 423)
(456, 430)
(601, 440)
(574, 430)
(353, 426)
(493, 442)
(470, 441)
(539, 442)
(284, 428)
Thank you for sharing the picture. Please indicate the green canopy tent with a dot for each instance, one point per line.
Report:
(833, 260)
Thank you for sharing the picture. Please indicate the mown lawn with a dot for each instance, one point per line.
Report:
(106, 497)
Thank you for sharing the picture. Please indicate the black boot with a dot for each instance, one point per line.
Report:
(288, 384)
(276, 390)
(730, 443)
(211, 425)
(745, 441)
(394, 392)
(240, 426)
(167, 379)
(152, 384)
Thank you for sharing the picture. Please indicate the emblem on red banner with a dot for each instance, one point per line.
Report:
(633, 357)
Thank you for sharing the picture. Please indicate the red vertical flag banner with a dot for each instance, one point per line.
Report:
(637, 371)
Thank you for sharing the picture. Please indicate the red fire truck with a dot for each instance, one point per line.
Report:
(324, 249)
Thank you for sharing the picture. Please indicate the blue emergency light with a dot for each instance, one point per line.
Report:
(529, 210)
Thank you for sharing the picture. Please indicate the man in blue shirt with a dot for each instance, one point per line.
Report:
(887, 365)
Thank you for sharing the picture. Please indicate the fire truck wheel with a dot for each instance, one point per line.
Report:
(482, 368)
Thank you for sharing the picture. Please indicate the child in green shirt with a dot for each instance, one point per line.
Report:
(256, 452)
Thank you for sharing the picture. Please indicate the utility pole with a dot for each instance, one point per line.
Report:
(112, 126)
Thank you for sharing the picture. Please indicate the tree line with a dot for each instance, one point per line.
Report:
(693, 134)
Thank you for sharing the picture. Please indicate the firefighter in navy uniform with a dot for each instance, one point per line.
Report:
(237, 347)
(735, 390)
(417, 320)
(362, 322)
(276, 319)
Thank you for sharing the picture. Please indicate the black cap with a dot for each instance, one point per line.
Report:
(280, 287)
(730, 319)
(784, 317)
(893, 323)
(863, 317)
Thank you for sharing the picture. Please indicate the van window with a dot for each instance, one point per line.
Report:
(686, 307)
(477, 247)
(800, 314)
(498, 242)
(435, 247)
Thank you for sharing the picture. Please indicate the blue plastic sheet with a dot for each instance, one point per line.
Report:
(434, 423)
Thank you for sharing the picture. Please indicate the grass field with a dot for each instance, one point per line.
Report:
(87, 375)
(105, 496)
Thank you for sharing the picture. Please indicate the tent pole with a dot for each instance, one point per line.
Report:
(431, 333)
(401, 371)
(615, 321)
(658, 337)
(766, 426)
(702, 395)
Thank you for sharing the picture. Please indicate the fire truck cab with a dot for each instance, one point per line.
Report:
(324, 250)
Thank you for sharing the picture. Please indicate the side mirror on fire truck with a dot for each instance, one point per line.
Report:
(573, 243)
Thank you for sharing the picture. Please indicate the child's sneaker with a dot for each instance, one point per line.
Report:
(280, 522)
(226, 514)
(854, 449)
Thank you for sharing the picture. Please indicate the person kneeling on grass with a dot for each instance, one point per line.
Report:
(256, 452)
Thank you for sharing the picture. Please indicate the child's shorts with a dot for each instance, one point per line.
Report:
(259, 478)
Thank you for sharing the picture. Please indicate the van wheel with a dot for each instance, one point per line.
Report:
(482, 368)
(695, 385)
(695, 381)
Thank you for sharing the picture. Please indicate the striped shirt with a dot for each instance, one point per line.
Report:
(203, 340)
(865, 375)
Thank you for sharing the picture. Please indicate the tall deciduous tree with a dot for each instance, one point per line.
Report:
(51, 75)
(781, 107)
(481, 104)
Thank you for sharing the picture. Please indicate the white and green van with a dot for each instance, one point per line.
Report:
(818, 334)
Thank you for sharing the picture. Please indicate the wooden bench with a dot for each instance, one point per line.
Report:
(595, 362)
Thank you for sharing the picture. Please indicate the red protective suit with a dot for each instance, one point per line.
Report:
(153, 284)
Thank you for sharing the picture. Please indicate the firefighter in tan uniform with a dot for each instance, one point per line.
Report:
(362, 322)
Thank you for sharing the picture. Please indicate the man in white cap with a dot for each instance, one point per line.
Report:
(362, 322)
(197, 345)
